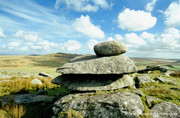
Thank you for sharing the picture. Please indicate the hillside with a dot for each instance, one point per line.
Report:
(36, 63)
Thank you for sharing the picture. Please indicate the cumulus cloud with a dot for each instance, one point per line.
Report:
(110, 39)
(150, 6)
(91, 43)
(172, 15)
(84, 25)
(148, 36)
(132, 20)
(118, 37)
(70, 45)
(165, 42)
(26, 36)
(82, 5)
(1, 33)
(134, 39)
(170, 38)
(13, 45)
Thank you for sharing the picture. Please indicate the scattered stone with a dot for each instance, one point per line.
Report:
(168, 73)
(165, 110)
(104, 65)
(150, 100)
(156, 67)
(110, 48)
(164, 80)
(93, 82)
(137, 91)
(111, 105)
(143, 71)
(170, 66)
(2, 76)
(44, 74)
(24, 76)
(36, 82)
(143, 79)
(26, 99)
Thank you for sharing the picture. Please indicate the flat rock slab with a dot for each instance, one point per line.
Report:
(165, 110)
(143, 79)
(91, 64)
(110, 48)
(164, 80)
(110, 105)
(93, 82)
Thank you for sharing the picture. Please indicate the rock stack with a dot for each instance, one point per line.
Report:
(104, 71)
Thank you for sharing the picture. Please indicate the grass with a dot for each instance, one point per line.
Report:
(12, 111)
(23, 85)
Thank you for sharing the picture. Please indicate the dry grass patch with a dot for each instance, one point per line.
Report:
(19, 84)
(12, 111)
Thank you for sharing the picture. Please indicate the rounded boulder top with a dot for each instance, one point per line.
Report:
(110, 48)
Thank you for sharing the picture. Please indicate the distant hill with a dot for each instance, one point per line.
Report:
(57, 59)
(49, 60)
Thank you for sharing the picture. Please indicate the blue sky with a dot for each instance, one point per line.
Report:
(150, 28)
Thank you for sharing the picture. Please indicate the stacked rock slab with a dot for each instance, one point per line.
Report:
(104, 71)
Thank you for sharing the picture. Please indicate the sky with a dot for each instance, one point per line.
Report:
(149, 28)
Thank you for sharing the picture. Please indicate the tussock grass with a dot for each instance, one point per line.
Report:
(147, 111)
(162, 91)
(12, 111)
(23, 85)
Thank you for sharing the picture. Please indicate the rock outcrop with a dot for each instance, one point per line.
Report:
(93, 73)
(111, 105)
(107, 70)
(166, 110)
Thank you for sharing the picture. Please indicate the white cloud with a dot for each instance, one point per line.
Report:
(132, 20)
(13, 45)
(150, 45)
(172, 15)
(147, 36)
(24, 48)
(118, 37)
(170, 38)
(150, 6)
(134, 39)
(84, 25)
(26, 36)
(110, 39)
(1, 33)
(70, 45)
(91, 43)
(83, 5)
